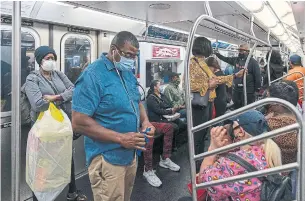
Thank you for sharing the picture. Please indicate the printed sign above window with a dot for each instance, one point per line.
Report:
(78, 30)
(156, 32)
(220, 45)
(165, 52)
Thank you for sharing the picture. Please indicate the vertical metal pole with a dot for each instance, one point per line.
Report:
(303, 103)
(268, 64)
(208, 10)
(216, 43)
(16, 66)
(301, 161)
(188, 100)
(245, 74)
(247, 63)
(287, 61)
(146, 25)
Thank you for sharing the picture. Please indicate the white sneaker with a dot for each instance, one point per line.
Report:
(152, 178)
(167, 163)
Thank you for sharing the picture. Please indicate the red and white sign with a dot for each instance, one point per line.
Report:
(165, 52)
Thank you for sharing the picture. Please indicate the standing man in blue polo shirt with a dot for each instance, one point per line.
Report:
(107, 110)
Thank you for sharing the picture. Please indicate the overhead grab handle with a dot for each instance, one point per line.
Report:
(216, 43)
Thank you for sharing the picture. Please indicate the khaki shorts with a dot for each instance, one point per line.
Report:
(111, 182)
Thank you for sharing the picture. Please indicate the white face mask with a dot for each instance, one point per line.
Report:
(48, 65)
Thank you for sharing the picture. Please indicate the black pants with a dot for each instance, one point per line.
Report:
(238, 99)
(72, 184)
(201, 115)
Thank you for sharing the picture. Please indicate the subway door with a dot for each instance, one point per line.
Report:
(32, 36)
(76, 49)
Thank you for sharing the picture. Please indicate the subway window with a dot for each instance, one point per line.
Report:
(28, 44)
(77, 55)
(159, 71)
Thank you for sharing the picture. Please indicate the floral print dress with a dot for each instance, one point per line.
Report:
(245, 190)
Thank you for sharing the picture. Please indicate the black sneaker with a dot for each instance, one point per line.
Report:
(76, 196)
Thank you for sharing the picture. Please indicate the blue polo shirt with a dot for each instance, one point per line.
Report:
(99, 93)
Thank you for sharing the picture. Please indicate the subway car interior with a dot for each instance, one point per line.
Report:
(80, 31)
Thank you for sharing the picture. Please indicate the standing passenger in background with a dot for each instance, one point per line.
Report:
(276, 67)
(253, 77)
(107, 110)
(204, 82)
(175, 95)
(49, 85)
(220, 101)
(229, 71)
(296, 66)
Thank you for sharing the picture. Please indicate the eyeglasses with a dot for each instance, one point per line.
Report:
(128, 55)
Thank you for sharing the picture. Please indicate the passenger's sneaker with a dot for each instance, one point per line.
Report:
(167, 163)
(152, 178)
(76, 196)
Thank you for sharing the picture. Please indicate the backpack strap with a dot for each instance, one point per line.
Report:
(35, 72)
(245, 164)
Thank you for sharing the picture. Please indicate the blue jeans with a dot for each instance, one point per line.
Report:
(293, 176)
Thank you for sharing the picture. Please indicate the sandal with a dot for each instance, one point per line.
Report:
(76, 196)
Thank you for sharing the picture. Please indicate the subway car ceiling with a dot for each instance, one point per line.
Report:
(115, 16)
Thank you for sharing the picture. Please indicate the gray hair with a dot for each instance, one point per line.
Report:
(122, 37)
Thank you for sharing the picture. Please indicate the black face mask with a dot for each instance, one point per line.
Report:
(241, 55)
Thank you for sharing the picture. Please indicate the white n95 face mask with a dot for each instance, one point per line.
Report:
(48, 65)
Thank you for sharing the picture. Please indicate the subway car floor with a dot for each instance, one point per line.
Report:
(174, 183)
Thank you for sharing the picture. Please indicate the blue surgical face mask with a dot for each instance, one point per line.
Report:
(124, 64)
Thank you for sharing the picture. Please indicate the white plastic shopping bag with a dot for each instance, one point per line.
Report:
(49, 154)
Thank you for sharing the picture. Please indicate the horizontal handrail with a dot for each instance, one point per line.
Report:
(267, 135)
(244, 109)
(250, 175)
(225, 50)
(224, 25)
(287, 76)
(301, 78)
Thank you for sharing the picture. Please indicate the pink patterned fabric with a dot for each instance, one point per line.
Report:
(246, 190)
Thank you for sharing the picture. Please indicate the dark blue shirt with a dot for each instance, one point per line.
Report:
(99, 93)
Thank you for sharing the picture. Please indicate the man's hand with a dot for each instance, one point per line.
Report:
(133, 141)
(182, 107)
(147, 124)
(241, 73)
(175, 109)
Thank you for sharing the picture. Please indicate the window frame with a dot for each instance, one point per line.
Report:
(62, 48)
(37, 40)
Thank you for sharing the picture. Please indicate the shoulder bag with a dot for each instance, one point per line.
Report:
(197, 99)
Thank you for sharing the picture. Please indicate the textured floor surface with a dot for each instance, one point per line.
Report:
(174, 183)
